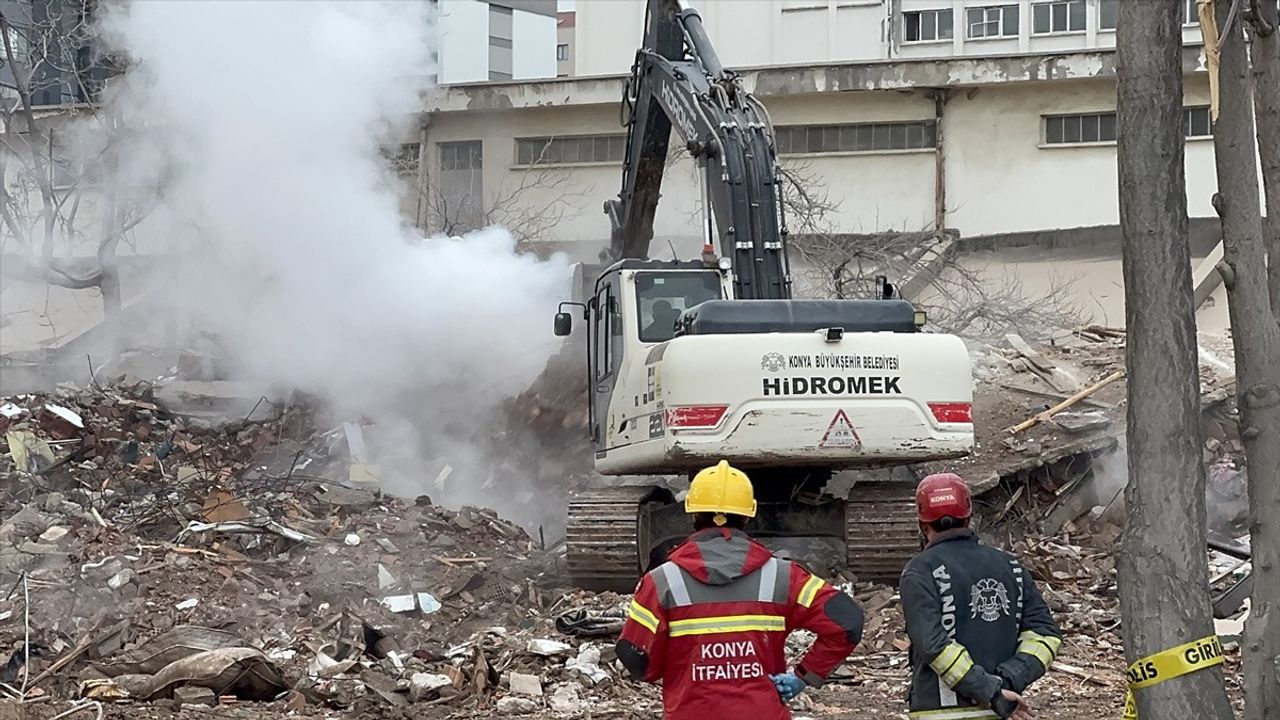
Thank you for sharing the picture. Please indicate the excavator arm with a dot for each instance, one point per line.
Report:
(677, 81)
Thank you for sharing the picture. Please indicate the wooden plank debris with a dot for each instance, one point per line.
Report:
(1048, 414)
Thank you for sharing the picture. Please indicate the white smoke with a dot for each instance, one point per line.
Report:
(260, 124)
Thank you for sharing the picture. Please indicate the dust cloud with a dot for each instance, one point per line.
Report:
(262, 123)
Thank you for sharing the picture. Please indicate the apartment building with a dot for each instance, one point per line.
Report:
(481, 40)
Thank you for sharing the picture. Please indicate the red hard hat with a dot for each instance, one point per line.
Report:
(943, 495)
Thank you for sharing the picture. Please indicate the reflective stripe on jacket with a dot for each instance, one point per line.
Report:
(977, 624)
(712, 623)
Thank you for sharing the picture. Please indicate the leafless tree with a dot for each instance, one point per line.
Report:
(958, 298)
(1256, 337)
(529, 203)
(53, 198)
(1161, 566)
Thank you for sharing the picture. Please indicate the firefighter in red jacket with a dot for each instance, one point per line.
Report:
(712, 622)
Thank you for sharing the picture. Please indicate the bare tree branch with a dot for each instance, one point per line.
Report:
(959, 298)
(539, 199)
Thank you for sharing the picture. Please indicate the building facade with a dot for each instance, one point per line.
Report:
(998, 125)
(566, 50)
(760, 33)
(482, 40)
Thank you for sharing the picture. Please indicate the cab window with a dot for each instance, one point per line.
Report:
(662, 296)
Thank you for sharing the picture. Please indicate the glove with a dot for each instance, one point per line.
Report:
(1002, 705)
(788, 685)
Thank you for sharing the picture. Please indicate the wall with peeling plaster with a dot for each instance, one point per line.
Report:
(1000, 177)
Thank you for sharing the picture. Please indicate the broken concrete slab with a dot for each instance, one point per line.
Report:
(524, 684)
(215, 403)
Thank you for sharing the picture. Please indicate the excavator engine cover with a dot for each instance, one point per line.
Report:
(731, 317)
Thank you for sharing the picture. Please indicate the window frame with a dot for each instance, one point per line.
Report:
(1191, 115)
(900, 136)
(604, 332)
(1102, 4)
(1002, 16)
(1190, 14)
(1048, 6)
(558, 148)
(937, 14)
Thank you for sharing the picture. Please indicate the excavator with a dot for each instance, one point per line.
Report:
(697, 360)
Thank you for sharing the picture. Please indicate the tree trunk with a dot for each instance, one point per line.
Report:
(1162, 566)
(1256, 337)
(1264, 31)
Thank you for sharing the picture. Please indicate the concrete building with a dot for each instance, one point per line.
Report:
(566, 50)
(908, 114)
(760, 33)
(496, 40)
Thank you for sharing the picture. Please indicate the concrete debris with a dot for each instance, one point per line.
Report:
(547, 648)
(173, 563)
(512, 705)
(423, 685)
(385, 578)
(567, 699)
(523, 684)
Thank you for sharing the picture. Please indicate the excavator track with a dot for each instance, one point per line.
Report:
(881, 532)
(602, 534)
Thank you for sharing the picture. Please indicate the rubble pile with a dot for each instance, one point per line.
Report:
(150, 558)
(164, 547)
(553, 413)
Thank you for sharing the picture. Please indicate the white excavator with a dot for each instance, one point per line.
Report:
(694, 361)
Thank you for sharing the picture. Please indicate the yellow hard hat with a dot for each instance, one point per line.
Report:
(722, 489)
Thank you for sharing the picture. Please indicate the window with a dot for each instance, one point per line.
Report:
(1058, 17)
(1108, 14)
(1190, 13)
(1101, 127)
(500, 37)
(996, 21)
(1197, 123)
(926, 25)
(862, 137)
(1076, 129)
(605, 329)
(661, 297)
(461, 185)
(570, 149)
(562, 52)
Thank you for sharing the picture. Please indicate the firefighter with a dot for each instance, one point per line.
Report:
(711, 623)
(980, 631)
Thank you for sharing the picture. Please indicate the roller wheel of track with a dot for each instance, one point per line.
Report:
(602, 533)
(881, 533)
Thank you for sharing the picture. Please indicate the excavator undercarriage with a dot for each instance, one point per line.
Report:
(614, 535)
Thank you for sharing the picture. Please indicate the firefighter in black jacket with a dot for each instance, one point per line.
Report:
(980, 631)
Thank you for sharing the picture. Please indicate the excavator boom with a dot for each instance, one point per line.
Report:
(677, 81)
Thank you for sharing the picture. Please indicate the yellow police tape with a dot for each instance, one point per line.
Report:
(1168, 664)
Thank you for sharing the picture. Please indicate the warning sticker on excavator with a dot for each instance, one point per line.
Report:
(840, 433)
